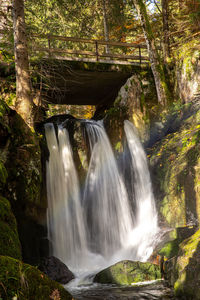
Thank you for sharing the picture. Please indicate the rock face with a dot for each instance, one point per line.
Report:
(136, 101)
(183, 270)
(56, 270)
(21, 180)
(128, 272)
(23, 282)
(9, 239)
(175, 163)
(188, 70)
(21, 211)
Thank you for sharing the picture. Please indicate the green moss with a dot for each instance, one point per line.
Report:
(126, 88)
(188, 268)
(26, 282)
(128, 272)
(170, 249)
(3, 174)
(9, 240)
(177, 172)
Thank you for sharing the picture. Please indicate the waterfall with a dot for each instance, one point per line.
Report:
(105, 199)
(65, 218)
(146, 227)
(89, 233)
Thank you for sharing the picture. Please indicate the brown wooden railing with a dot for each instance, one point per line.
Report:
(49, 44)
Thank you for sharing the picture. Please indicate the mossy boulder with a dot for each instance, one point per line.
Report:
(23, 282)
(175, 163)
(184, 269)
(9, 240)
(128, 272)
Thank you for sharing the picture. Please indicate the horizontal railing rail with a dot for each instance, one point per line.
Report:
(99, 51)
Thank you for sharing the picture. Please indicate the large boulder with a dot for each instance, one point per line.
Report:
(56, 270)
(128, 272)
(22, 281)
(183, 270)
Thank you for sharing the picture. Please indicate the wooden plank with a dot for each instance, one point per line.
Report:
(100, 42)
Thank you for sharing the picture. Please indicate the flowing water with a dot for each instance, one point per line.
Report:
(91, 232)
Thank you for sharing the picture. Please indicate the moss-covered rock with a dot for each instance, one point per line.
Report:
(9, 240)
(21, 182)
(25, 282)
(128, 272)
(175, 165)
(3, 174)
(187, 77)
(136, 102)
(169, 246)
(184, 269)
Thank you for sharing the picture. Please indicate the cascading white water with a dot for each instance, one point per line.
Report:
(65, 219)
(92, 233)
(105, 199)
(146, 227)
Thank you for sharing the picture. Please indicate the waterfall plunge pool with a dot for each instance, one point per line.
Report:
(153, 290)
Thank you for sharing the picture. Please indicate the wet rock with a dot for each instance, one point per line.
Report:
(56, 270)
(128, 272)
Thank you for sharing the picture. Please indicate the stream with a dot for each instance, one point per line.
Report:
(151, 290)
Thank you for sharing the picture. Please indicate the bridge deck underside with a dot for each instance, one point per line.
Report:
(68, 84)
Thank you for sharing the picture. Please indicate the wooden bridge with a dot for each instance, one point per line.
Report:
(84, 71)
(81, 49)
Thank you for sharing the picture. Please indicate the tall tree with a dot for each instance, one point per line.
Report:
(166, 42)
(105, 24)
(24, 102)
(157, 66)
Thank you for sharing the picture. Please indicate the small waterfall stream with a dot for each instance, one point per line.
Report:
(91, 232)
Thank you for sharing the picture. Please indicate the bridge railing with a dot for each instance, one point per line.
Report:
(74, 48)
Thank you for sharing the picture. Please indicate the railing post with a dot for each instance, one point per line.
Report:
(140, 55)
(97, 50)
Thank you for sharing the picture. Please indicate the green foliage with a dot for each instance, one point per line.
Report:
(117, 111)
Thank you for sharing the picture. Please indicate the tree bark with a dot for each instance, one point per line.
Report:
(24, 102)
(157, 66)
(105, 25)
(166, 42)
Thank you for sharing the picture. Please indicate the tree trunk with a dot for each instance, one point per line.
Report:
(157, 66)
(105, 25)
(166, 42)
(24, 103)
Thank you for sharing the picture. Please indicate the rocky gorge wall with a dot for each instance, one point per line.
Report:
(22, 213)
